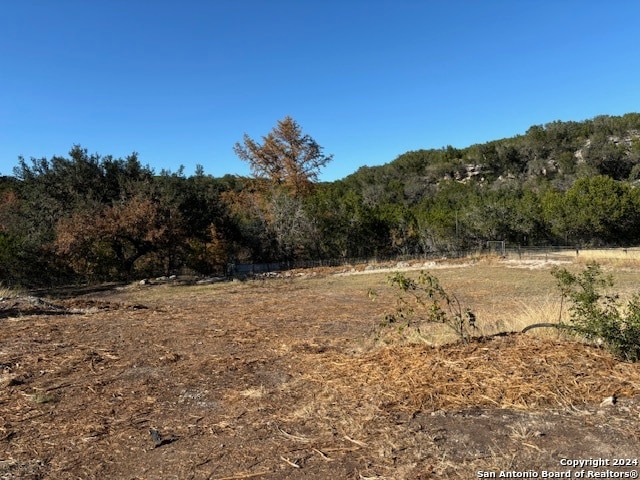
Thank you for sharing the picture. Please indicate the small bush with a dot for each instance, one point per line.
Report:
(424, 301)
(598, 316)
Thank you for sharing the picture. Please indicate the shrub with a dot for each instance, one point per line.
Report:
(424, 301)
(598, 316)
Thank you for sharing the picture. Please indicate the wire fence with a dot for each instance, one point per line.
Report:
(504, 250)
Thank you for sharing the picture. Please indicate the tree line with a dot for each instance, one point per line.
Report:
(87, 217)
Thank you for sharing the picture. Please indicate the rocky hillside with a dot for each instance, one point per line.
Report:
(558, 151)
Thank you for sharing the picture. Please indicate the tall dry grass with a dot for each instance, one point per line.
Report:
(508, 296)
(611, 257)
(7, 292)
(549, 310)
(527, 312)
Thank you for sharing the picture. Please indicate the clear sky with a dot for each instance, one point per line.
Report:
(180, 82)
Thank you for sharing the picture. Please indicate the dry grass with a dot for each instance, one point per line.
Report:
(503, 299)
(7, 292)
(549, 310)
(279, 379)
(614, 257)
(508, 295)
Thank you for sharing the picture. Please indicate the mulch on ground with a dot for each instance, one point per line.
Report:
(268, 382)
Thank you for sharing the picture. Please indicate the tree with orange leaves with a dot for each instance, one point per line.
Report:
(110, 240)
(287, 158)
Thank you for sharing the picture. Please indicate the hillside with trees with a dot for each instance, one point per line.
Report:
(87, 217)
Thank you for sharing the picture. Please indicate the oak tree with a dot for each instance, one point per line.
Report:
(110, 240)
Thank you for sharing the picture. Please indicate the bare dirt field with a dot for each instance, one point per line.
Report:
(279, 379)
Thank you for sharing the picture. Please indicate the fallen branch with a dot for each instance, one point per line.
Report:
(559, 326)
(294, 465)
(292, 437)
(362, 444)
(323, 455)
(240, 476)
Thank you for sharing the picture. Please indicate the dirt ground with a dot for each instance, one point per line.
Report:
(277, 379)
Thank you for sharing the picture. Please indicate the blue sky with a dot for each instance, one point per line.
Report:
(180, 82)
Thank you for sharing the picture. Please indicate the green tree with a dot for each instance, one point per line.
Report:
(567, 163)
(248, 211)
(9, 234)
(598, 209)
(402, 225)
(528, 220)
(609, 158)
(100, 214)
(555, 216)
(511, 214)
(346, 225)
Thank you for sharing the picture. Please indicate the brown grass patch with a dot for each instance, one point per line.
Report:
(611, 257)
(8, 292)
(278, 379)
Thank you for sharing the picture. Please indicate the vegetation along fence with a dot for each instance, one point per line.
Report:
(497, 247)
